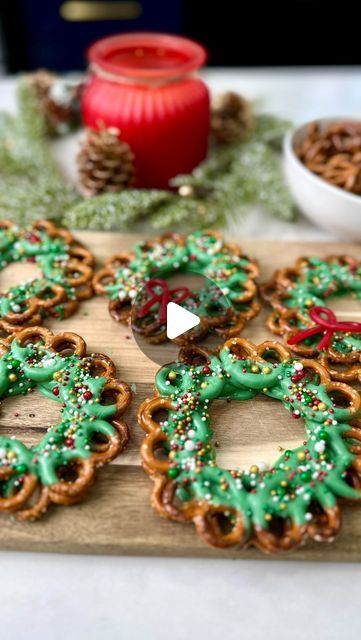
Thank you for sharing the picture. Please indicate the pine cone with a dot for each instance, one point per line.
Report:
(231, 117)
(56, 115)
(57, 98)
(40, 82)
(105, 163)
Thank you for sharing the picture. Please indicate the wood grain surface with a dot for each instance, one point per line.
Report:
(116, 516)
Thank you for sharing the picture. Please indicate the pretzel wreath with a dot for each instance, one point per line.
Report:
(90, 432)
(276, 508)
(293, 291)
(66, 273)
(203, 253)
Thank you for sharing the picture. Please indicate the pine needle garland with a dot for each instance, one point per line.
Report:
(31, 185)
(111, 211)
(233, 177)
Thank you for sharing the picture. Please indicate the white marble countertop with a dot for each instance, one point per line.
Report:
(80, 597)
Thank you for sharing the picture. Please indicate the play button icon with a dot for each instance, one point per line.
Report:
(168, 314)
(179, 320)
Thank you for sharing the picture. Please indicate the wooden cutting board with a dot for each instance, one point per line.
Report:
(116, 516)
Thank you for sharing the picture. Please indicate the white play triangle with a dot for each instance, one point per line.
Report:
(179, 320)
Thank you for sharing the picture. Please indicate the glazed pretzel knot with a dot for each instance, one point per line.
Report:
(203, 253)
(91, 432)
(275, 509)
(293, 291)
(66, 274)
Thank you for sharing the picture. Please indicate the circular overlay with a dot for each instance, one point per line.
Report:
(204, 299)
(274, 508)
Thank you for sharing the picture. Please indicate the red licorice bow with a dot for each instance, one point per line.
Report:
(166, 295)
(326, 323)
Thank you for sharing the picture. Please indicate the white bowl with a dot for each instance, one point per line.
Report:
(332, 208)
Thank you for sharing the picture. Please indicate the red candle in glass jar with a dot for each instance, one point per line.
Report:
(145, 84)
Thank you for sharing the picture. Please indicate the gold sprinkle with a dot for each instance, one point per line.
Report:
(268, 517)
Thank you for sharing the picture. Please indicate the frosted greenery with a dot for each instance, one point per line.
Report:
(31, 186)
(224, 185)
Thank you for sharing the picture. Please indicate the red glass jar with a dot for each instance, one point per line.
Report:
(146, 85)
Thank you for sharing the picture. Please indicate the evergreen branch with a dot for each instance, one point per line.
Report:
(234, 175)
(31, 185)
(23, 200)
(111, 211)
(248, 172)
(192, 212)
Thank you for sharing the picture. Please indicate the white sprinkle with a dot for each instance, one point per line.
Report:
(16, 308)
(320, 446)
(49, 362)
(262, 466)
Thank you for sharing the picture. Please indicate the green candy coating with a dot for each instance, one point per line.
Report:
(64, 379)
(201, 253)
(49, 254)
(319, 280)
(313, 472)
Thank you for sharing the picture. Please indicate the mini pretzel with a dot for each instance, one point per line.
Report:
(277, 508)
(333, 152)
(204, 253)
(61, 467)
(293, 291)
(66, 274)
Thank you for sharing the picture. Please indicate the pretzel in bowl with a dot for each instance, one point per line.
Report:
(298, 294)
(66, 274)
(90, 433)
(128, 279)
(276, 508)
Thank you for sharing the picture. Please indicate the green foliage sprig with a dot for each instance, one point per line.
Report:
(233, 177)
(31, 185)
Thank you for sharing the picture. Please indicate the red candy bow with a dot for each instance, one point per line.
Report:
(166, 295)
(326, 323)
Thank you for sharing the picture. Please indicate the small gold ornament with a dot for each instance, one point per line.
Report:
(186, 191)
